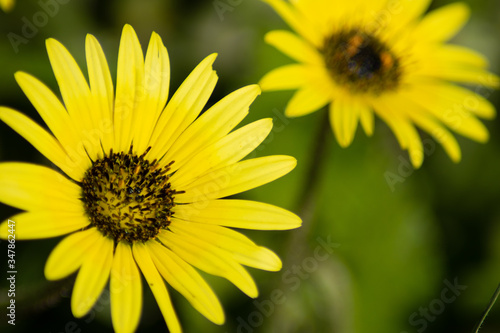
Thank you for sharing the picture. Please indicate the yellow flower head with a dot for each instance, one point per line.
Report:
(145, 181)
(7, 5)
(365, 57)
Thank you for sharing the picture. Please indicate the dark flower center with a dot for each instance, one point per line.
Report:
(361, 62)
(128, 197)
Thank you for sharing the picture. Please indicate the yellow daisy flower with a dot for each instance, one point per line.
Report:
(145, 181)
(365, 57)
(7, 5)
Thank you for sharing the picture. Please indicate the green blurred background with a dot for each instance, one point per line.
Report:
(394, 249)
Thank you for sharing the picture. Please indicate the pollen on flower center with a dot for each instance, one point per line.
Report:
(128, 197)
(361, 62)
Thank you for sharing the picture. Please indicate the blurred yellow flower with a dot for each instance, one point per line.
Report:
(145, 181)
(365, 57)
(7, 5)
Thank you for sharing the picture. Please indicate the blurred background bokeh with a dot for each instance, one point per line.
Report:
(388, 248)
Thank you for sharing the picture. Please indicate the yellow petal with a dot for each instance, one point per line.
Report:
(307, 100)
(92, 276)
(458, 55)
(451, 112)
(183, 278)
(294, 47)
(242, 214)
(45, 224)
(367, 120)
(126, 290)
(33, 187)
(443, 23)
(226, 151)
(183, 107)
(236, 178)
(210, 259)
(157, 81)
(101, 88)
(470, 100)
(234, 244)
(129, 87)
(296, 21)
(7, 5)
(70, 253)
(440, 134)
(50, 109)
(286, 77)
(75, 92)
(407, 12)
(45, 143)
(212, 126)
(344, 115)
(157, 286)
(390, 109)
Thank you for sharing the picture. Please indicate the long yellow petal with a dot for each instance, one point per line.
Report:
(157, 286)
(92, 277)
(367, 120)
(183, 108)
(45, 224)
(70, 253)
(232, 243)
(294, 47)
(242, 214)
(212, 126)
(442, 24)
(75, 93)
(458, 55)
(226, 151)
(439, 133)
(101, 88)
(466, 99)
(296, 21)
(210, 259)
(307, 100)
(389, 108)
(45, 143)
(129, 87)
(157, 81)
(344, 115)
(183, 278)
(236, 178)
(51, 110)
(452, 113)
(33, 187)
(285, 77)
(407, 13)
(126, 290)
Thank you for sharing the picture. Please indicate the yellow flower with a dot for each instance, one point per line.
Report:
(7, 5)
(146, 181)
(365, 57)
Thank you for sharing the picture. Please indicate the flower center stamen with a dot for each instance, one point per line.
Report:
(361, 62)
(127, 197)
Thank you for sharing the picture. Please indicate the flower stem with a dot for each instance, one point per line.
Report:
(490, 305)
(307, 200)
